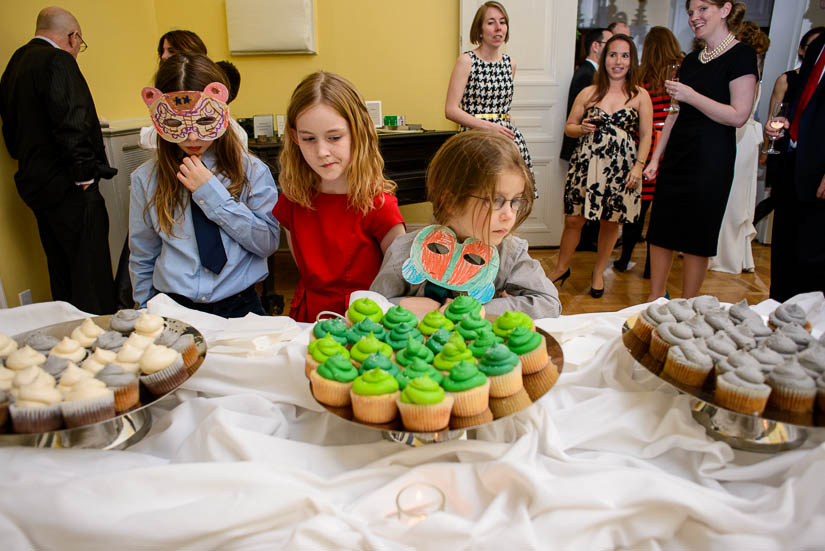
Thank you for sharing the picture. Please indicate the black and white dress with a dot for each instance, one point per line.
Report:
(489, 91)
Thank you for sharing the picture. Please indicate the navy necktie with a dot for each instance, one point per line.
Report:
(208, 237)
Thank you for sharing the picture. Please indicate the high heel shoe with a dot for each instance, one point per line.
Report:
(562, 278)
(595, 293)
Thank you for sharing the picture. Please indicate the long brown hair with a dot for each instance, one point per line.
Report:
(183, 42)
(470, 163)
(631, 79)
(660, 50)
(734, 18)
(192, 72)
(478, 22)
(365, 173)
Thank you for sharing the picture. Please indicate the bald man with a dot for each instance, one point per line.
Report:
(51, 127)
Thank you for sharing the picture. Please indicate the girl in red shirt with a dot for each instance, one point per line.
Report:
(336, 206)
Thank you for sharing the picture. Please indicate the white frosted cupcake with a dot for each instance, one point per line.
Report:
(70, 349)
(87, 333)
(149, 325)
(163, 369)
(98, 360)
(24, 357)
(6, 378)
(139, 341)
(7, 345)
(36, 409)
(129, 357)
(72, 376)
(89, 401)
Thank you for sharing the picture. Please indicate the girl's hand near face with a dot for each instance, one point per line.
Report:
(192, 173)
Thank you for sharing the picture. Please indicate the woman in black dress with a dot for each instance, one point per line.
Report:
(715, 92)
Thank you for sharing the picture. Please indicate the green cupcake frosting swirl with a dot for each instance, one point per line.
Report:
(522, 340)
(323, 348)
(369, 345)
(332, 326)
(434, 321)
(363, 308)
(338, 368)
(413, 350)
(460, 307)
(498, 360)
(398, 337)
(452, 353)
(485, 339)
(508, 321)
(423, 391)
(438, 339)
(374, 383)
(417, 368)
(364, 328)
(471, 324)
(398, 315)
(463, 376)
(379, 361)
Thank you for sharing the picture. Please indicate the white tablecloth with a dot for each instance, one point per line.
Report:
(241, 457)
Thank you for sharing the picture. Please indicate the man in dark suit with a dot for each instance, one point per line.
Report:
(51, 127)
(798, 240)
(583, 77)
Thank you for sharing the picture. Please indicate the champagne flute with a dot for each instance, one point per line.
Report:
(674, 76)
(780, 110)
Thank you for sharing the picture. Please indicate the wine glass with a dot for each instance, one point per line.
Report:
(674, 76)
(780, 110)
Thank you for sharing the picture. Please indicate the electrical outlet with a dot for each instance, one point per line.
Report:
(25, 297)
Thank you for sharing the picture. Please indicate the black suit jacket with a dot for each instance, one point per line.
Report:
(810, 150)
(582, 78)
(50, 124)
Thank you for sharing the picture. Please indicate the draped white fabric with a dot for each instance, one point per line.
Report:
(241, 457)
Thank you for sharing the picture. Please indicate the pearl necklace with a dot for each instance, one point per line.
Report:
(705, 56)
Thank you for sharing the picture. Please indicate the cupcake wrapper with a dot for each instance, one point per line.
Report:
(820, 400)
(374, 409)
(691, 375)
(642, 329)
(747, 400)
(658, 347)
(330, 393)
(87, 412)
(473, 401)
(507, 384)
(191, 359)
(510, 404)
(792, 399)
(310, 365)
(535, 360)
(166, 379)
(30, 420)
(426, 418)
(636, 346)
(651, 363)
(459, 422)
(126, 397)
(537, 384)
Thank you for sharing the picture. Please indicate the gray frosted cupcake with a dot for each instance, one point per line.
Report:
(792, 388)
(736, 359)
(797, 334)
(740, 312)
(650, 318)
(55, 366)
(781, 344)
(687, 363)
(704, 303)
(700, 327)
(167, 337)
(767, 358)
(743, 390)
(742, 336)
(719, 347)
(718, 319)
(758, 329)
(41, 342)
(680, 308)
(124, 321)
(110, 340)
(789, 314)
(812, 360)
(666, 335)
(124, 385)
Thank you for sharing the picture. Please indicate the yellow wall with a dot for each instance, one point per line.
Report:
(396, 51)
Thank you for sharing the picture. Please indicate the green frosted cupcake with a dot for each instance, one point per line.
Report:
(438, 339)
(453, 352)
(366, 346)
(508, 321)
(461, 306)
(417, 368)
(434, 321)
(364, 328)
(484, 340)
(397, 338)
(320, 350)
(332, 381)
(423, 405)
(332, 326)
(470, 388)
(471, 325)
(397, 315)
(531, 348)
(413, 350)
(379, 361)
(373, 396)
(503, 368)
(364, 308)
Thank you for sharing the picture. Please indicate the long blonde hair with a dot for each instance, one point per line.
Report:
(191, 72)
(365, 173)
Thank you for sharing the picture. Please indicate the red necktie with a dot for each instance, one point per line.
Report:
(807, 93)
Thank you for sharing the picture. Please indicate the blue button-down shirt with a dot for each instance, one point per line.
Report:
(161, 263)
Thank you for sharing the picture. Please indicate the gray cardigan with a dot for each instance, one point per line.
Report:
(519, 275)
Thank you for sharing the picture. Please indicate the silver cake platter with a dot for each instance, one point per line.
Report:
(118, 432)
(395, 432)
(772, 431)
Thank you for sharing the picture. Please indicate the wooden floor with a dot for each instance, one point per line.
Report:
(621, 289)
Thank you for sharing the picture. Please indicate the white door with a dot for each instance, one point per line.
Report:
(542, 43)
